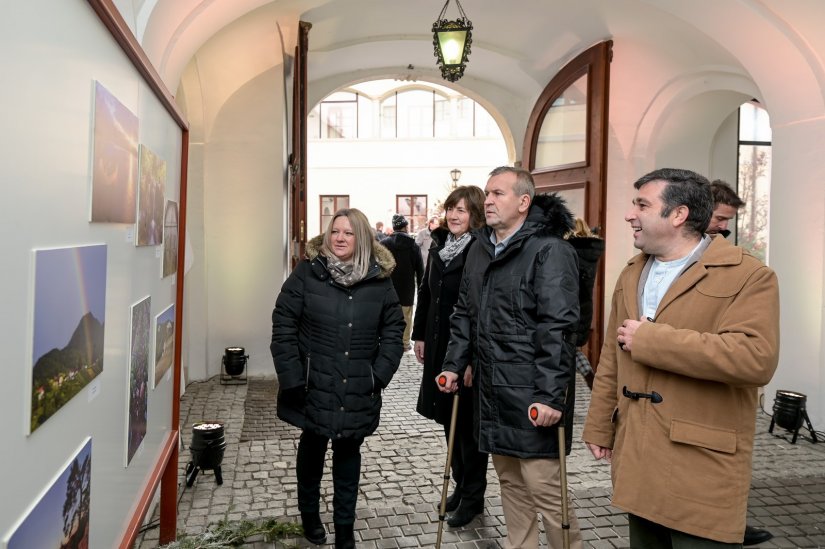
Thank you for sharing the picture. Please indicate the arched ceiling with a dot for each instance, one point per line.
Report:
(517, 46)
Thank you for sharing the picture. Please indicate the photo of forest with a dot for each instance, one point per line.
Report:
(164, 342)
(140, 344)
(151, 198)
(60, 519)
(115, 160)
(69, 309)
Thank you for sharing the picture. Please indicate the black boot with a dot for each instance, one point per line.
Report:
(344, 536)
(452, 502)
(313, 528)
(465, 513)
(755, 536)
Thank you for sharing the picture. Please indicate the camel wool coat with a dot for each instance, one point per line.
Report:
(685, 462)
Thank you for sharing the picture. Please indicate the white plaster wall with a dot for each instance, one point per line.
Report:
(243, 223)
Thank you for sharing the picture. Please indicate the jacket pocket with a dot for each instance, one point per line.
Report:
(513, 375)
(306, 382)
(705, 467)
(705, 436)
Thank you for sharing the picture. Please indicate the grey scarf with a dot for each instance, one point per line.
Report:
(454, 246)
(341, 272)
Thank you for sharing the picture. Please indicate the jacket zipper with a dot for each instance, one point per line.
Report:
(306, 381)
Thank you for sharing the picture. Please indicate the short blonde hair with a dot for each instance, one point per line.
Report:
(364, 237)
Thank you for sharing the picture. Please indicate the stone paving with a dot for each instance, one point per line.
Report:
(402, 470)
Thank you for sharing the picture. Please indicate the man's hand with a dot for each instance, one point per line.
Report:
(545, 416)
(626, 331)
(418, 349)
(468, 376)
(450, 382)
(600, 452)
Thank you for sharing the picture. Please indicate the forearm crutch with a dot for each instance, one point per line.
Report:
(442, 509)
(565, 517)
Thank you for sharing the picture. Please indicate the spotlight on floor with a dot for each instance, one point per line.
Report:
(789, 411)
(233, 366)
(208, 445)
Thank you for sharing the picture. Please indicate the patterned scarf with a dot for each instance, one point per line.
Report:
(454, 246)
(342, 272)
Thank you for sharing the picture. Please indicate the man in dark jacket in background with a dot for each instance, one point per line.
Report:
(409, 269)
(517, 311)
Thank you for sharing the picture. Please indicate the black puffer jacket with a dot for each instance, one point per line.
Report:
(335, 347)
(515, 320)
(436, 298)
(589, 251)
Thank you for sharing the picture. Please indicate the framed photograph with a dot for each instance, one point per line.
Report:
(69, 319)
(151, 198)
(60, 517)
(114, 160)
(140, 344)
(164, 342)
(170, 239)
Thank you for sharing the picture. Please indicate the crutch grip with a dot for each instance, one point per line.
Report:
(442, 380)
(534, 413)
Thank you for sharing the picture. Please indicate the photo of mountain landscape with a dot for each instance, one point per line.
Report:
(69, 316)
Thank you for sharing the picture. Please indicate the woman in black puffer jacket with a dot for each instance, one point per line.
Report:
(464, 211)
(336, 343)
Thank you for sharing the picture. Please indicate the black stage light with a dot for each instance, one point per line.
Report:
(208, 445)
(789, 411)
(233, 366)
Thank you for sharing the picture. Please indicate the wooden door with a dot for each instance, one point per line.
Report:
(565, 149)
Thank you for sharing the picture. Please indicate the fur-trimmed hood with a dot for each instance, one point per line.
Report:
(381, 258)
(550, 215)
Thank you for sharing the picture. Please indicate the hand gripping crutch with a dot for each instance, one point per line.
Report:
(442, 509)
(565, 517)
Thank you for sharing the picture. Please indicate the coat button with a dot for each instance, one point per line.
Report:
(350, 324)
(346, 353)
(344, 380)
(342, 408)
(350, 297)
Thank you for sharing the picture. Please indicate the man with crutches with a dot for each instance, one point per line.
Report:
(517, 310)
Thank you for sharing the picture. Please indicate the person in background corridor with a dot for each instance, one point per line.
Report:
(336, 344)
(409, 269)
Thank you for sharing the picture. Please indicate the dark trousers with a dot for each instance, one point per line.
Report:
(469, 466)
(645, 534)
(346, 472)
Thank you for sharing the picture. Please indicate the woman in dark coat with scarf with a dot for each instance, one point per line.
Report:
(438, 293)
(336, 343)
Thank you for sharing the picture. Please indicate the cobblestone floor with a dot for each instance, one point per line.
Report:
(402, 472)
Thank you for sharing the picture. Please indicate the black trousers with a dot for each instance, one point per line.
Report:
(346, 472)
(469, 466)
(645, 534)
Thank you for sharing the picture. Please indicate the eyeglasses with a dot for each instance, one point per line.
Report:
(655, 398)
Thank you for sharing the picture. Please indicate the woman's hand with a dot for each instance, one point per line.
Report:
(418, 348)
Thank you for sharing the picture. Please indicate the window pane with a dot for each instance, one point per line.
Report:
(415, 114)
(419, 218)
(485, 124)
(754, 190)
(403, 205)
(463, 120)
(754, 123)
(314, 124)
(343, 202)
(338, 120)
(563, 134)
(388, 113)
(442, 116)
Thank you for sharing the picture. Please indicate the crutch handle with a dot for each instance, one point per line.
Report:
(442, 380)
(534, 413)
